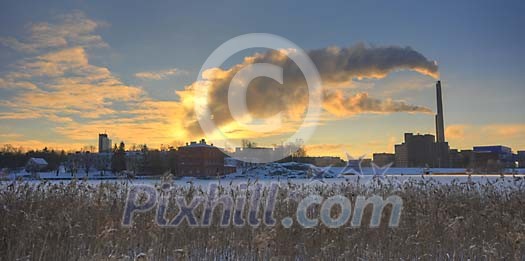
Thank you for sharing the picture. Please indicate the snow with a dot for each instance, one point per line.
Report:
(297, 173)
(38, 161)
(62, 175)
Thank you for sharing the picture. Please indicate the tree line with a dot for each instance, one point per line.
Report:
(141, 160)
(13, 158)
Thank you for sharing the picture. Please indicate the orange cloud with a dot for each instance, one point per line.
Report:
(87, 90)
(159, 75)
(506, 130)
(469, 135)
(455, 131)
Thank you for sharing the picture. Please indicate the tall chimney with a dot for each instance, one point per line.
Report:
(440, 129)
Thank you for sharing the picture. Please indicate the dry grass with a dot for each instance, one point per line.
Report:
(78, 221)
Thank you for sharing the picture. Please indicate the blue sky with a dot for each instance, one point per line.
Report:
(478, 45)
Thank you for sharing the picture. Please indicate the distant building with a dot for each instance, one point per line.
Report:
(487, 161)
(421, 151)
(521, 158)
(104, 143)
(231, 165)
(35, 164)
(401, 155)
(354, 163)
(383, 159)
(199, 159)
(320, 161)
(325, 161)
(493, 158)
(468, 158)
(441, 155)
(454, 158)
(260, 154)
(460, 159)
(232, 162)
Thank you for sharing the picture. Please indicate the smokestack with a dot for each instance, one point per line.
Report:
(440, 128)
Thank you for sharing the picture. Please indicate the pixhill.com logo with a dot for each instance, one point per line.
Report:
(254, 205)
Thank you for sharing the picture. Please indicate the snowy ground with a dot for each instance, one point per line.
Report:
(61, 175)
(298, 174)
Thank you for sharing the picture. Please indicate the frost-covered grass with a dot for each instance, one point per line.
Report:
(82, 221)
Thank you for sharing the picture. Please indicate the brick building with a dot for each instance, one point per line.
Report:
(199, 159)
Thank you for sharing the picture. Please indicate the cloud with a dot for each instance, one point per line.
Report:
(13, 83)
(469, 135)
(455, 131)
(506, 130)
(342, 65)
(73, 29)
(72, 86)
(355, 149)
(159, 75)
(337, 67)
(340, 105)
(324, 149)
(29, 144)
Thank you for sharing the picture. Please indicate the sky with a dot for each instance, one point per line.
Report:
(72, 69)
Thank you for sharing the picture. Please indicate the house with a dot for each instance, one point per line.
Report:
(35, 164)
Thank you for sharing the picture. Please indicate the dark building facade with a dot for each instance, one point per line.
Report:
(454, 159)
(442, 155)
(521, 158)
(104, 143)
(421, 151)
(461, 159)
(401, 155)
(199, 159)
(383, 159)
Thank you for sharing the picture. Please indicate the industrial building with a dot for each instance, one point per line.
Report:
(493, 158)
(420, 151)
(425, 150)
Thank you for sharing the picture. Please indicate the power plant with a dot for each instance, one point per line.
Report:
(425, 150)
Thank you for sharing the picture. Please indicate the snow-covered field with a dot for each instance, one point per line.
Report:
(297, 173)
